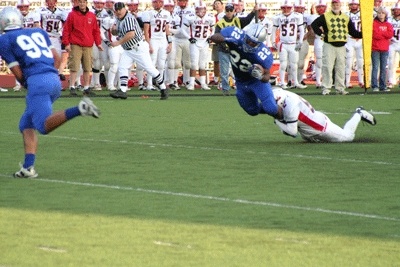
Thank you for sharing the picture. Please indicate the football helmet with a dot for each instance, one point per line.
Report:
(169, 3)
(182, 3)
(23, 6)
(99, 4)
(396, 6)
(255, 35)
(157, 4)
(286, 7)
(320, 6)
(354, 5)
(51, 4)
(10, 19)
(279, 96)
(200, 8)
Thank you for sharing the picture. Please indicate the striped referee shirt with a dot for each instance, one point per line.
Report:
(128, 24)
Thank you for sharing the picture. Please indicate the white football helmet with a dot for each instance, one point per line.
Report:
(23, 6)
(396, 6)
(255, 35)
(320, 3)
(10, 19)
(300, 3)
(279, 95)
(169, 3)
(286, 7)
(200, 8)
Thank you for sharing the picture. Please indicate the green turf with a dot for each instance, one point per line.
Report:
(194, 181)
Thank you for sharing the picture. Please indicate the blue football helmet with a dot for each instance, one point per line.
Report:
(255, 35)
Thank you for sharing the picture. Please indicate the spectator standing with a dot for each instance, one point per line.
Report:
(240, 11)
(354, 45)
(394, 48)
(381, 35)
(32, 67)
(223, 50)
(136, 49)
(80, 32)
(334, 27)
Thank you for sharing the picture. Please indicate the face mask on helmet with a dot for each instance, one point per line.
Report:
(10, 19)
(182, 3)
(255, 35)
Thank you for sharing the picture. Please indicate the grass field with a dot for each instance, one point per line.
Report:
(194, 181)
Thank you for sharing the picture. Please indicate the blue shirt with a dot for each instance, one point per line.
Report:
(30, 48)
(242, 61)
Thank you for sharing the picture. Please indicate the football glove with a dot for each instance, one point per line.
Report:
(257, 71)
(298, 46)
(192, 40)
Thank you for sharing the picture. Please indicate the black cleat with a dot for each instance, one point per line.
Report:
(119, 94)
(164, 94)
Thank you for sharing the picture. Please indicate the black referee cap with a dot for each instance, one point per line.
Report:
(119, 5)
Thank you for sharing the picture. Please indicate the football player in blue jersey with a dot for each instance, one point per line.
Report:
(34, 62)
(251, 61)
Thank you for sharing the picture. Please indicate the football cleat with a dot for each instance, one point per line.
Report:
(164, 94)
(119, 94)
(366, 116)
(26, 173)
(87, 108)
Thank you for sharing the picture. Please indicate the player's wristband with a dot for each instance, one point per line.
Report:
(169, 39)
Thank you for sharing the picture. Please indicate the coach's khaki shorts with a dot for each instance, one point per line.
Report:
(78, 55)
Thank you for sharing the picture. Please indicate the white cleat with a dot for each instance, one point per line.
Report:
(17, 88)
(97, 87)
(190, 87)
(26, 173)
(283, 86)
(87, 108)
(3, 90)
(205, 87)
(300, 86)
(366, 116)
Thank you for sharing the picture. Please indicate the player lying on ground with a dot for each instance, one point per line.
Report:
(314, 126)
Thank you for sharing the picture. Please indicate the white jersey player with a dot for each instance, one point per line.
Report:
(266, 22)
(291, 35)
(394, 47)
(299, 117)
(30, 20)
(156, 29)
(354, 45)
(113, 54)
(181, 41)
(99, 58)
(320, 7)
(200, 26)
(300, 7)
(171, 73)
(52, 20)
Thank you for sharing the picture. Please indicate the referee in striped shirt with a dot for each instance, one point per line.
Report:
(136, 49)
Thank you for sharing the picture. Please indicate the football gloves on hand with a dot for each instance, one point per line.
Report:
(257, 71)
(192, 40)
